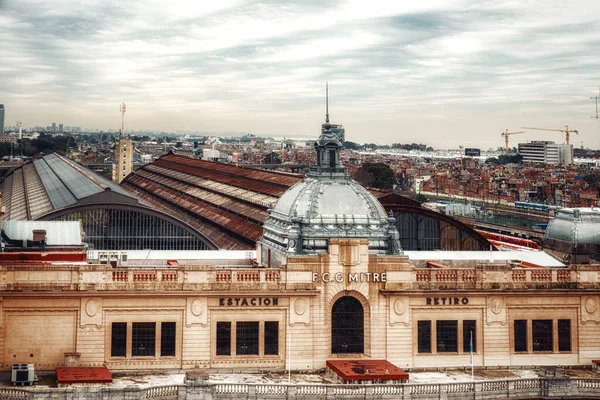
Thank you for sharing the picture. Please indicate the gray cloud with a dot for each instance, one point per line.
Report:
(432, 71)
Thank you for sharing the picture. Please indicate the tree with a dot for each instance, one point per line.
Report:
(593, 180)
(381, 174)
(272, 158)
(421, 198)
(363, 177)
(504, 159)
(351, 145)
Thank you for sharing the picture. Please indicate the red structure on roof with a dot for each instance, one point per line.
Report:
(366, 370)
(68, 375)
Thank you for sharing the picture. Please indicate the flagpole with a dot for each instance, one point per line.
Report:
(471, 351)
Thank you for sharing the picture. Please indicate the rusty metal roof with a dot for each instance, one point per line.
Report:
(225, 202)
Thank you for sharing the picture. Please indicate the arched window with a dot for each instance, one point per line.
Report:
(347, 326)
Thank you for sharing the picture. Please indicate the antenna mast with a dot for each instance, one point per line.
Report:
(596, 98)
(327, 102)
(123, 108)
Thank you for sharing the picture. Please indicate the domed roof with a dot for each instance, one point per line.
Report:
(575, 225)
(326, 204)
(312, 198)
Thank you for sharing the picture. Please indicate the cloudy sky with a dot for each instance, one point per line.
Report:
(445, 73)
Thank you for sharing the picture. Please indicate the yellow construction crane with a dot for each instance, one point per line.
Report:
(506, 135)
(566, 131)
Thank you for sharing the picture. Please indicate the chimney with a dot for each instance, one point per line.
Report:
(39, 235)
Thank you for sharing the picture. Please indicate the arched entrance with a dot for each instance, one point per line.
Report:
(347, 326)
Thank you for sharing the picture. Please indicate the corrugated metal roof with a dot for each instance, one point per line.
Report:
(219, 236)
(58, 233)
(102, 182)
(60, 196)
(224, 202)
(37, 198)
(50, 183)
(79, 185)
(18, 203)
(227, 203)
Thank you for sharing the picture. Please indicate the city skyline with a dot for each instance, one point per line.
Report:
(440, 73)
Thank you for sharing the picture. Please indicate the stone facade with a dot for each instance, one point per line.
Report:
(49, 310)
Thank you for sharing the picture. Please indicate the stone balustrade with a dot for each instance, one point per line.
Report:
(209, 277)
(203, 389)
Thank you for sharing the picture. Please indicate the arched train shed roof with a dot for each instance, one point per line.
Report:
(231, 201)
(54, 186)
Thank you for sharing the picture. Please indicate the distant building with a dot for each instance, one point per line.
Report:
(546, 152)
(54, 127)
(124, 159)
(471, 152)
(1, 119)
(60, 127)
(8, 138)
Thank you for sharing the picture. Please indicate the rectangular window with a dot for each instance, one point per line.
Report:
(520, 335)
(424, 336)
(271, 336)
(447, 336)
(246, 338)
(469, 332)
(223, 338)
(118, 344)
(167, 339)
(564, 335)
(541, 335)
(143, 339)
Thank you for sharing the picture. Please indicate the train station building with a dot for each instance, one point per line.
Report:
(329, 280)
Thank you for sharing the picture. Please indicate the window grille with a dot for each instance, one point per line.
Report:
(520, 335)
(468, 330)
(223, 338)
(271, 337)
(246, 338)
(564, 335)
(143, 339)
(167, 339)
(541, 331)
(424, 336)
(447, 336)
(347, 326)
(118, 345)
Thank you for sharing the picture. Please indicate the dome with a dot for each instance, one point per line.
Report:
(317, 198)
(575, 225)
(326, 204)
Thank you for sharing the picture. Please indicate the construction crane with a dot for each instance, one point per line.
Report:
(506, 135)
(566, 131)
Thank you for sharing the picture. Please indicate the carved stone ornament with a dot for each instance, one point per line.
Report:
(590, 305)
(196, 311)
(398, 310)
(300, 306)
(590, 312)
(90, 312)
(496, 313)
(197, 307)
(399, 306)
(298, 311)
(91, 307)
(496, 306)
